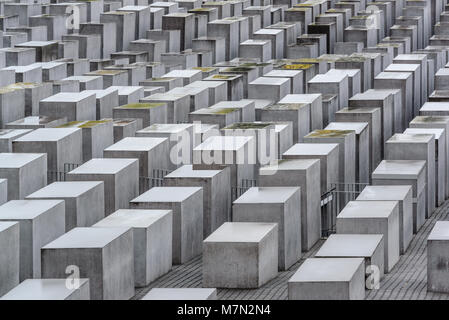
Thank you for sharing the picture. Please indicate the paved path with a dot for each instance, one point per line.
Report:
(406, 281)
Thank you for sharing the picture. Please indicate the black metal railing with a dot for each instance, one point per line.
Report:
(334, 200)
(54, 176)
(155, 180)
(240, 189)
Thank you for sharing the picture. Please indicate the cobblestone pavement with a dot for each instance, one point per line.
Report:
(406, 281)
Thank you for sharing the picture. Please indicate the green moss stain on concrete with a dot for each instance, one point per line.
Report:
(328, 133)
(141, 105)
(224, 110)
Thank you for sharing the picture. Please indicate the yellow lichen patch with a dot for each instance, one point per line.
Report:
(122, 122)
(204, 69)
(70, 124)
(285, 106)
(308, 60)
(248, 125)
(224, 110)
(221, 77)
(351, 59)
(23, 85)
(141, 105)
(238, 69)
(106, 72)
(200, 9)
(297, 66)
(163, 79)
(254, 64)
(7, 89)
(297, 9)
(328, 133)
(93, 123)
(428, 118)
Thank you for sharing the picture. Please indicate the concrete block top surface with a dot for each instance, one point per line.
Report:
(22, 69)
(384, 193)
(283, 73)
(225, 143)
(402, 67)
(233, 104)
(267, 195)
(47, 65)
(65, 189)
(358, 127)
(37, 43)
(103, 166)
(300, 98)
(166, 128)
(26, 209)
(442, 72)
(140, 106)
(179, 293)
(166, 96)
(327, 270)
(68, 97)
(123, 122)
(47, 134)
(328, 78)
(126, 90)
(27, 85)
(411, 138)
(11, 133)
(241, 232)
(408, 57)
(206, 84)
(179, 15)
(182, 73)
(288, 164)
(136, 144)
(84, 124)
(167, 194)
(311, 149)
(4, 225)
(223, 77)
(204, 127)
(255, 42)
(256, 125)
(330, 133)
(35, 120)
(153, 9)
(269, 81)
(437, 133)
(186, 171)
(79, 238)
(368, 209)
(435, 106)
(344, 72)
(18, 160)
(42, 289)
(268, 31)
(402, 169)
(85, 79)
(16, 49)
(440, 231)
(132, 218)
(133, 8)
(381, 93)
(393, 76)
(350, 245)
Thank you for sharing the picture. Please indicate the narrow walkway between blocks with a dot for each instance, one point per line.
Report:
(406, 281)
